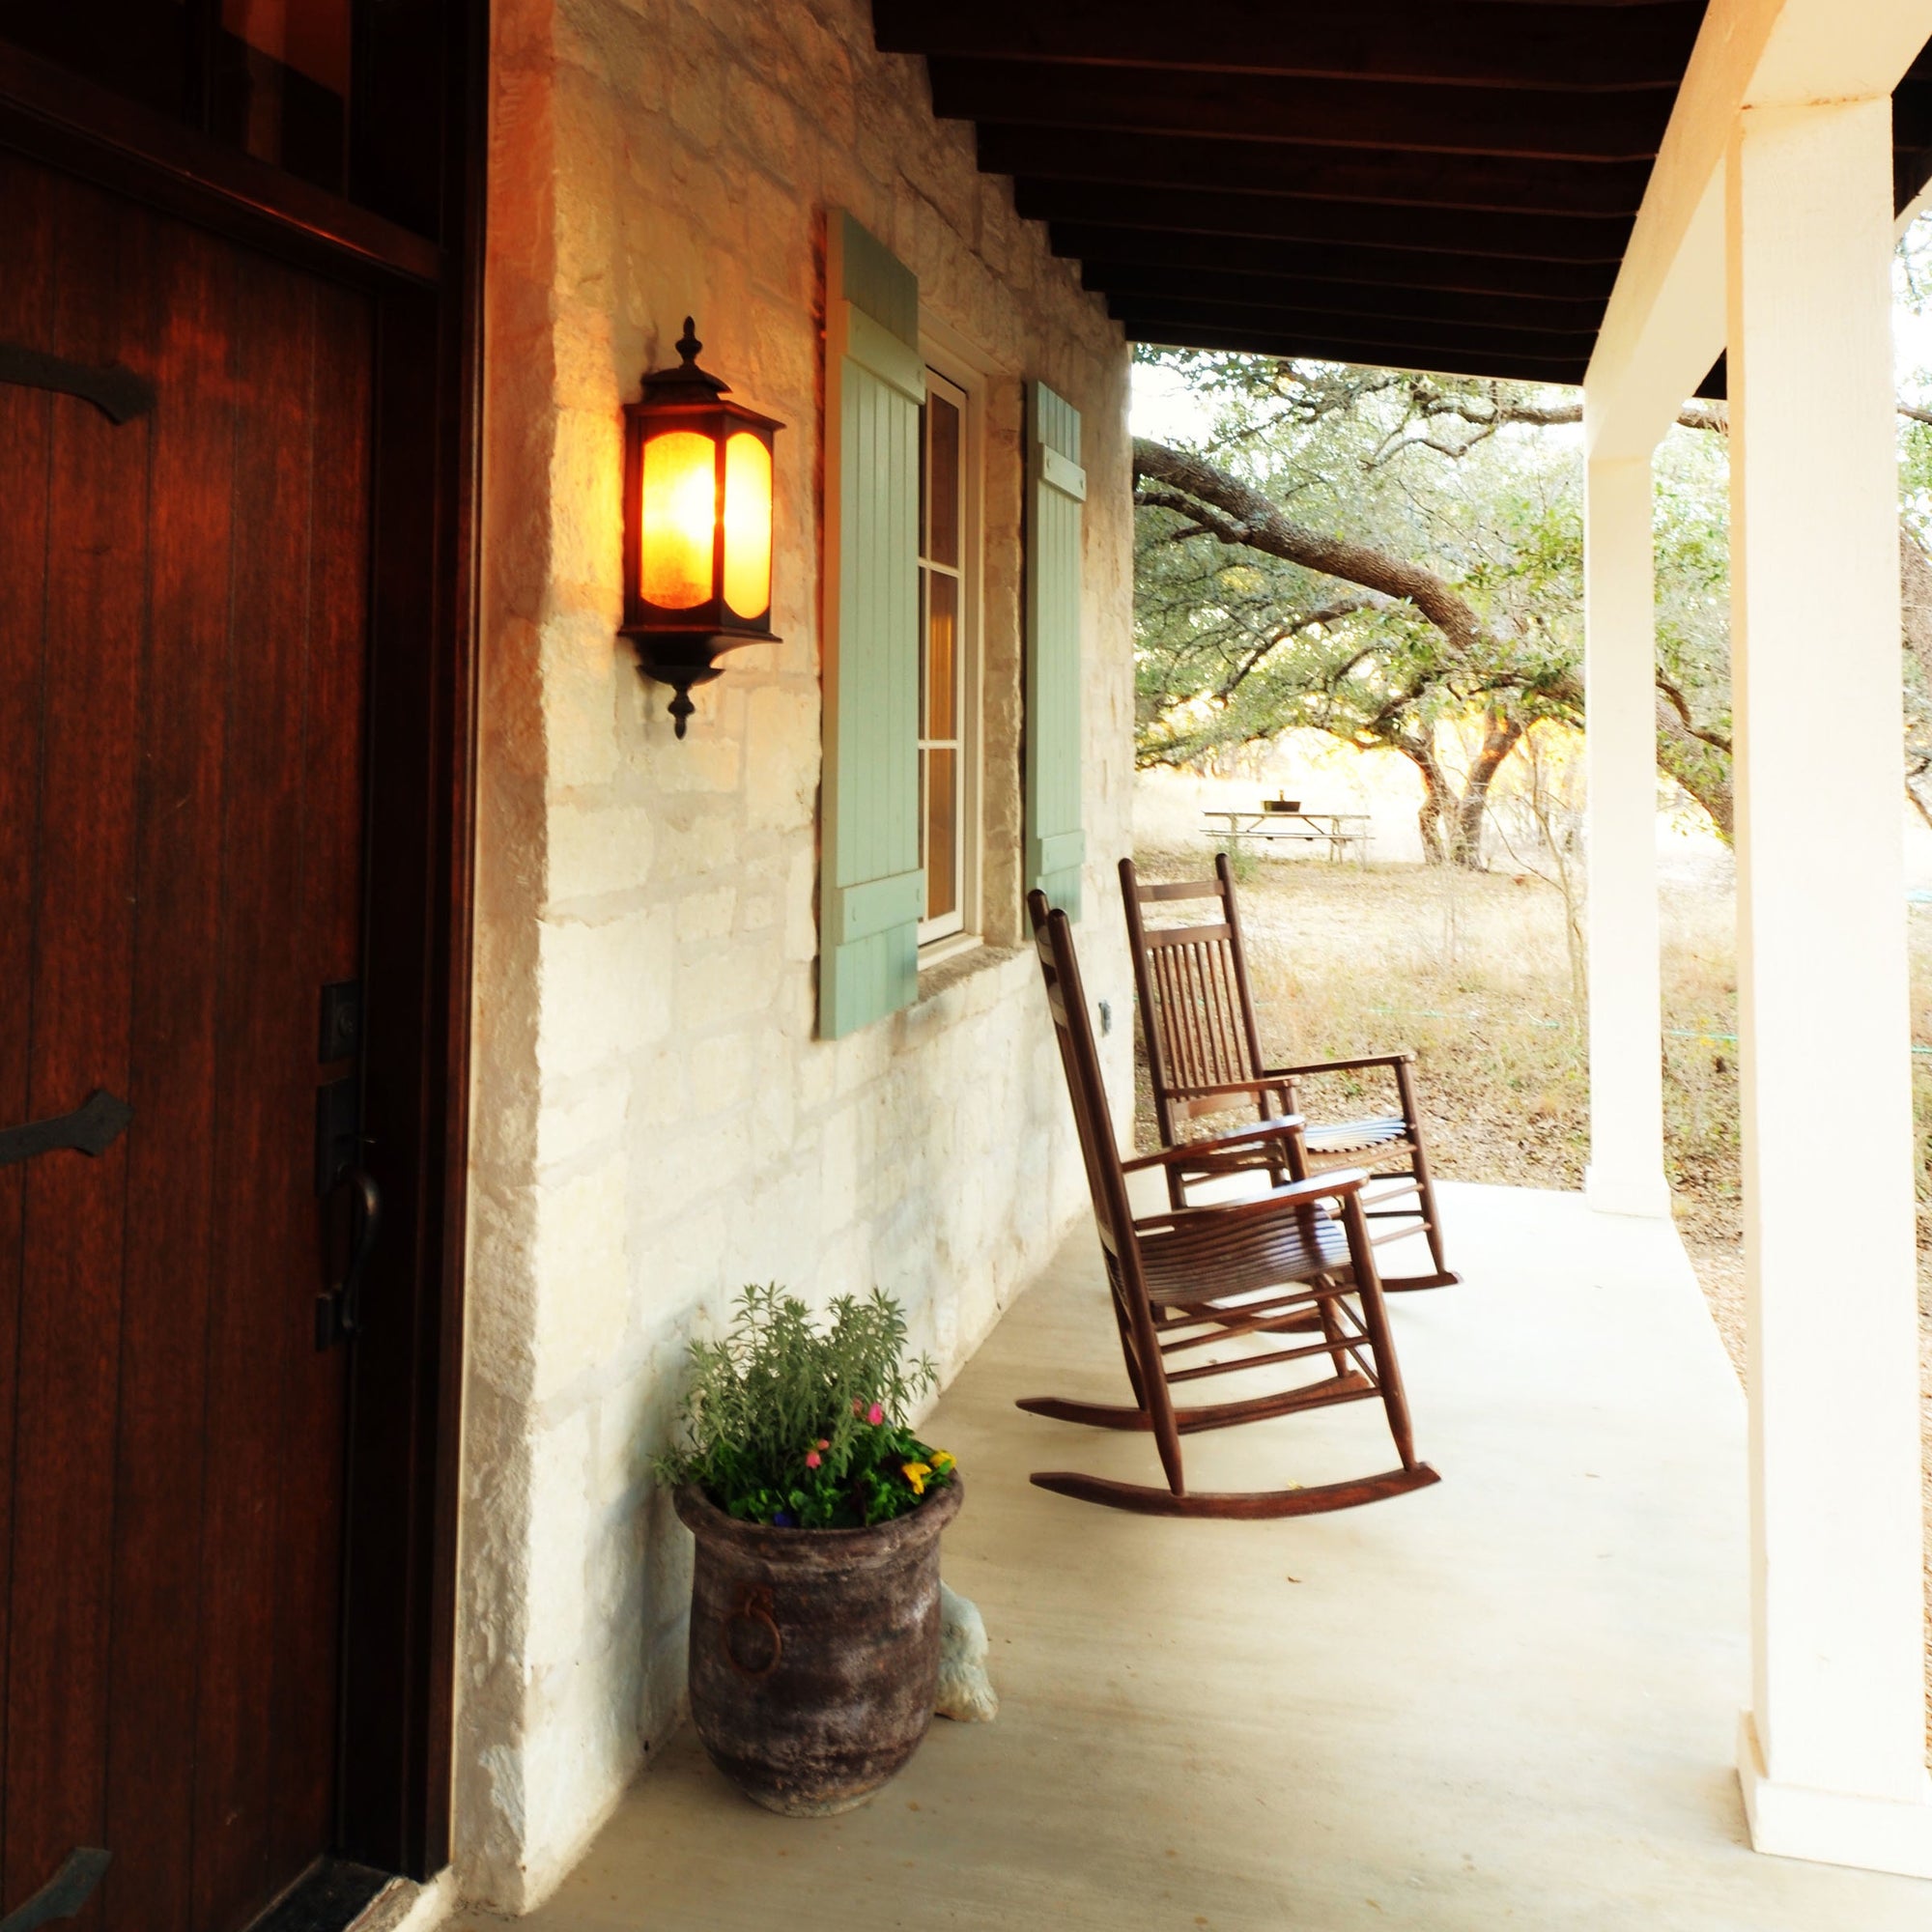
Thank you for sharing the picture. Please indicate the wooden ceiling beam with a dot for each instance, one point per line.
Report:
(1127, 286)
(1589, 48)
(1487, 182)
(1145, 317)
(1396, 115)
(1314, 262)
(1366, 355)
(1530, 237)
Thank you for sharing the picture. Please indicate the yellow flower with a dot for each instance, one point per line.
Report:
(942, 1462)
(915, 1474)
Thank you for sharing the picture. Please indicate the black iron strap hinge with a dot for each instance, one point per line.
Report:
(118, 393)
(92, 1128)
(63, 1895)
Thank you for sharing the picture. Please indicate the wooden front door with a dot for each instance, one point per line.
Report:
(184, 639)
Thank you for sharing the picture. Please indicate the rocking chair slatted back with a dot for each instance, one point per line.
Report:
(1209, 1039)
(1195, 1280)
(1195, 1008)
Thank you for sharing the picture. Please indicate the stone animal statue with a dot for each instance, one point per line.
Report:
(965, 1691)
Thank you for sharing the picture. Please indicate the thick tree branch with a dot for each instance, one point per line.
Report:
(1678, 704)
(1697, 756)
(1243, 516)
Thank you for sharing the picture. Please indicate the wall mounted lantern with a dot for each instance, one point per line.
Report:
(697, 525)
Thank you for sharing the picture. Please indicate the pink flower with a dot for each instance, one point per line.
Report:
(811, 1459)
(824, 1442)
(875, 1416)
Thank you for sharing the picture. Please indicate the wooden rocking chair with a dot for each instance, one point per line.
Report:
(1204, 1057)
(1190, 1281)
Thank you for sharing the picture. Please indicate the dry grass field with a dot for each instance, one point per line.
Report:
(1471, 970)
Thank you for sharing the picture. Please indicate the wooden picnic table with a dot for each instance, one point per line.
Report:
(1343, 832)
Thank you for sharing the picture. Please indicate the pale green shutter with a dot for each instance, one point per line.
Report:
(873, 891)
(1056, 845)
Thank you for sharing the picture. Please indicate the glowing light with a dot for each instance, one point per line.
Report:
(747, 526)
(678, 519)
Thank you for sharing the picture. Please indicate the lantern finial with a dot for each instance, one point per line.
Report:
(688, 344)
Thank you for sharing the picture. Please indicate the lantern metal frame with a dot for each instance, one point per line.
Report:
(681, 646)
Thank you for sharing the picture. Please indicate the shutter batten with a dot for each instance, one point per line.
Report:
(872, 886)
(1055, 843)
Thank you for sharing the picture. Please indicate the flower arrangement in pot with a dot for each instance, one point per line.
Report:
(815, 1603)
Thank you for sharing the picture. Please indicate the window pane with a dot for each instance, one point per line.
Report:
(281, 84)
(924, 465)
(942, 656)
(942, 832)
(942, 496)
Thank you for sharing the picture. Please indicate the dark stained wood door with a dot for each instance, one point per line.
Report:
(182, 650)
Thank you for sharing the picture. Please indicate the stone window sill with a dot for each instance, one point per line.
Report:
(952, 963)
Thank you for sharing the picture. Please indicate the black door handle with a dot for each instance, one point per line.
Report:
(92, 1127)
(339, 1313)
(63, 1895)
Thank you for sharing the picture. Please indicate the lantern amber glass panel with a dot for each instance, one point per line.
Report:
(680, 488)
(747, 526)
(697, 525)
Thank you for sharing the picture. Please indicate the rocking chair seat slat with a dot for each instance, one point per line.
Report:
(1352, 1136)
(1228, 1257)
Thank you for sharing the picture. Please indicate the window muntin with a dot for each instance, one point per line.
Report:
(944, 604)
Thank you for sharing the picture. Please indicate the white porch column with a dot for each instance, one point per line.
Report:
(1833, 1751)
(1626, 1172)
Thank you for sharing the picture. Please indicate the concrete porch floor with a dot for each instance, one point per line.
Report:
(1509, 1699)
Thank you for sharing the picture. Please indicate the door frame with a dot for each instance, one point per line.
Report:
(397, 1729)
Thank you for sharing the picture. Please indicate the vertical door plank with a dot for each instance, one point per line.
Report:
(164, 1320)
(26, 418)
(264, 1212)
(73, 1213)
(307, 1647)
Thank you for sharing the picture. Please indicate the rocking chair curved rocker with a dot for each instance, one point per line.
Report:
(1193, 1280)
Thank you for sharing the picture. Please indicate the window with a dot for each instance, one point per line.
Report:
(948, 602)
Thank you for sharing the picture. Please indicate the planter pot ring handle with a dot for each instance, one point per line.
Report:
(750, 1636)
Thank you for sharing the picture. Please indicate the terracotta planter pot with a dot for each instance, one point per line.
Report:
(815, 1653)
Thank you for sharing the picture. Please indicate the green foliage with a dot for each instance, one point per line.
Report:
(1478, 482)
(1235, 646)
(786, 1424)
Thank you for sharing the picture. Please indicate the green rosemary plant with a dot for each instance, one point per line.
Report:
(785, 1424)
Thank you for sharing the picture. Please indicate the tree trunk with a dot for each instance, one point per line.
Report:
(1501, 737)
(1437, 810)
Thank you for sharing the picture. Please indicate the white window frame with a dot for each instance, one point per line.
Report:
(957, 932)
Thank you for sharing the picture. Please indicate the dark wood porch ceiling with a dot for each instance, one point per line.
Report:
(1446, 184)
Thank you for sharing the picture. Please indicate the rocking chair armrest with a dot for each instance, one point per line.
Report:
(1277, 1074)
(1260, 1131)
(1296, 1194)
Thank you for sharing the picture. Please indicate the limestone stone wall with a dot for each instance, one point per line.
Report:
(655, 1123)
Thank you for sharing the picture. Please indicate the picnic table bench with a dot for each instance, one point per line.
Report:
(1344, 833)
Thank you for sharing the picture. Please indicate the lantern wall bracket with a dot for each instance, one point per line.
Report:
(682, 659)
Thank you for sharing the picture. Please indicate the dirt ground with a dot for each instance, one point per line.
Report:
(1473, 971)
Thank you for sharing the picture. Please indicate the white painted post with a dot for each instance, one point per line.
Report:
(1833, 1751)
(1626, 1172)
